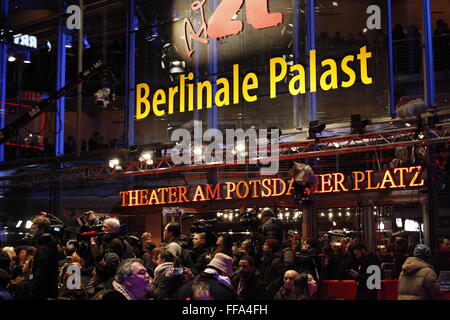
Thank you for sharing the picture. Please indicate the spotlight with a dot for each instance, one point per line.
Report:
(114, 163)
(315, 128)
(19, 223)
(146, 155)
(358, 125)
(103, 97)
(28, 224)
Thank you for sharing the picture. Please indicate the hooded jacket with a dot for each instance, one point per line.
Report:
(418, 281)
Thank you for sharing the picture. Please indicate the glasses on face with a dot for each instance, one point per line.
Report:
(289, 278)
(143, 272)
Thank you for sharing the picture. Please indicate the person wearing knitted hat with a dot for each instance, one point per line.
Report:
(217, 276)
(418, 281)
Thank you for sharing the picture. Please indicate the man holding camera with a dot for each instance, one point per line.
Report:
(45, 263)
(112, 242)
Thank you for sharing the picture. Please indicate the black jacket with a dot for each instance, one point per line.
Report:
(199, 260)
(273, 229)
(332, 269)
(111, 243)
(440, 262)
(272, 270)
(45, 269)
(254, 288)
(218, 290)
(348, 263)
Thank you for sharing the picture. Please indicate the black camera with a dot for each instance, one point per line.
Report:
(86, 232)
(249, 219)
(203, 225)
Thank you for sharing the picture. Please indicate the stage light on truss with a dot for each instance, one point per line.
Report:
(358, 126)
(315, 128)
(114, 163)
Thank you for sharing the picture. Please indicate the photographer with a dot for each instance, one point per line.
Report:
(45, 263)
(271, 227)
(112, 241)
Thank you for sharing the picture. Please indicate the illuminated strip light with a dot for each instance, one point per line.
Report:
(24, 146)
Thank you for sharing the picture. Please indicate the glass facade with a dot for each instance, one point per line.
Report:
(166, 49)
(341, 30)
(440, 16)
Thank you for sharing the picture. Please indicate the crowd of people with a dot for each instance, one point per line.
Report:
(204, 266)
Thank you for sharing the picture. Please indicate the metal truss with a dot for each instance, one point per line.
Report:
(370, 142)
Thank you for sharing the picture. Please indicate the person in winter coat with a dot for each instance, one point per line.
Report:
(103, 275)
(348, 262)
(365, 259)
(217, 276)
(291, 291)
(45, 261)
(112, 242)
(441, 259)
(168, 276)
(199, 252)
(271, 227)
(246, 281)
(131, 282)
(272, 267)
(418, 281)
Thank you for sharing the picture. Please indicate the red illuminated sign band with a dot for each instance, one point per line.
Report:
(367, 180)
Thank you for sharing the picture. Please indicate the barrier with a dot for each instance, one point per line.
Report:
(346, 290)
(339, 289)
(389, 290)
